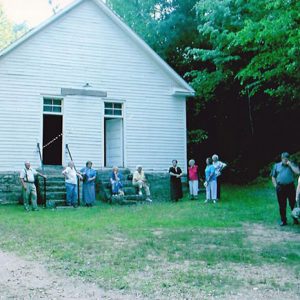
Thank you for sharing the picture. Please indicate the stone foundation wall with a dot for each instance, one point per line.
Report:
(10, 187)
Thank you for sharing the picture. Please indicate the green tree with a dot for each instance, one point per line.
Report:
(254, 42)
(9, 31)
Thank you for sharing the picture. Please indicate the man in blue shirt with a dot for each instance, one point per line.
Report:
(283, 174)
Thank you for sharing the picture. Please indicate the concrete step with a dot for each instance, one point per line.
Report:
(56, 196)
(56, 188)
(55, 183)
(126, 183)
(129, 190)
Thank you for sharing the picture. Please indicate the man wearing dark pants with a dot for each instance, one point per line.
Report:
(283, 180)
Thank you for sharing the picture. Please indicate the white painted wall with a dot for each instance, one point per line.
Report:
(86, 46)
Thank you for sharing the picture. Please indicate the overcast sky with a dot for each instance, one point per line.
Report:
(32, 12)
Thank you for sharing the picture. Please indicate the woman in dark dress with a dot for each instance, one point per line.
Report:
(175, 181)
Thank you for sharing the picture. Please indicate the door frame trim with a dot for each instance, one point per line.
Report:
(104, 141)
(43, 96)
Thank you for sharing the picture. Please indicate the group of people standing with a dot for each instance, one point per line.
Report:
(213, 171)
(283, 175)
(88, 177)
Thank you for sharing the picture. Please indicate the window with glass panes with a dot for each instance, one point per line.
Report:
(52, 105)
(113, 109)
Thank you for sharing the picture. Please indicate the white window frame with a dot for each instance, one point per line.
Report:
(114, 102)
(53, 112)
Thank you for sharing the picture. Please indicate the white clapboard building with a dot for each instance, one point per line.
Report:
(84, 80)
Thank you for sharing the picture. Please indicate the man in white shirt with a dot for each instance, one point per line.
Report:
(219, 166)
(139, 180)
(28, 186)
(71, 184)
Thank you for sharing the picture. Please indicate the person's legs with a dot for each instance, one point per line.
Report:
(147, 190)
(139, 185)
(282, 199)
(33, 195)
(26, 195)
(214, 190)
(291, 195)
(219, 188)
(191, 187)
(195, 188)
(74, 198)
(208, 197)
(69, 194)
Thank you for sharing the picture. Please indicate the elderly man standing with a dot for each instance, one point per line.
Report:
(139, 180)
(28, 186)
(283, 180)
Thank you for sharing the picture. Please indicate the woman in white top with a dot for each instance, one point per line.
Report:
(71, 175)
(219, 167)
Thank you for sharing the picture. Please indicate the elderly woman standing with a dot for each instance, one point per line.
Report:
(116, 182)
(193, 179)
(219, 167)
(71, 175)
(88, 187)
(210, 181)
(175, 181)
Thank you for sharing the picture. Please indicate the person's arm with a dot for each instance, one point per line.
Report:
(180, 174)
(79, 175)
(274, 175)
(294, 168)
(223, 166)
(274, 182)
(298, 193)
(134, 179)
(40, 174)
(65, 173)
(23, 183)
(173, 174)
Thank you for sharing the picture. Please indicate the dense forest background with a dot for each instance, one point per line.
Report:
(243, 59)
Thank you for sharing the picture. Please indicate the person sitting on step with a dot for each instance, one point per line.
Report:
(116, 182)
(139, 180)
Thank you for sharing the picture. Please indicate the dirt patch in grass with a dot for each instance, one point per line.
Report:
(198, 280)
(260, 235)
(22, 279)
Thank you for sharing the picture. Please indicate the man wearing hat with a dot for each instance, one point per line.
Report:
(283, 174)
(28, 186)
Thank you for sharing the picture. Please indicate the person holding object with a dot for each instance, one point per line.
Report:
(193, 179)
(283, 180)
(28, 186)
(139, 180)
(88, 187)
(210, 181)
(219, 167)
(175, 181)
(71, 184)
(116, 182)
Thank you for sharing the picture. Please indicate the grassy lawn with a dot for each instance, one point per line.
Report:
(185, 250)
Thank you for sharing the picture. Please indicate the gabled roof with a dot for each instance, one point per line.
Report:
(185, 88)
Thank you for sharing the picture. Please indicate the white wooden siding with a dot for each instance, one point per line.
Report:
(86, 46)
(83, 129)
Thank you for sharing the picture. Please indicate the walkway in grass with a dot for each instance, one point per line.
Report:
(22, 279)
